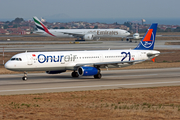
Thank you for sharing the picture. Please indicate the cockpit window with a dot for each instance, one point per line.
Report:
(16, 59)
(13, 59)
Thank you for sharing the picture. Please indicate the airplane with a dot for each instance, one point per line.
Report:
(84, 34)
(135, 36)
(84, 63)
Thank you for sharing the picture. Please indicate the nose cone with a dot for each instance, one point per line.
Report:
(8, 65)
(136, 37)
(127, 33)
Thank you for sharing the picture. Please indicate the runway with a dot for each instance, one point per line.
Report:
(111, 79)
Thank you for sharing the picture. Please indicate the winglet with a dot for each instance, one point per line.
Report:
(41, 26)
(147, 43)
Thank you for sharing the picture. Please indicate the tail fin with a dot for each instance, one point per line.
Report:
(147, 43)
(41, 26)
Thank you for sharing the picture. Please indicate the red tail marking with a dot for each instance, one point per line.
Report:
(46, 30)
(148, 35)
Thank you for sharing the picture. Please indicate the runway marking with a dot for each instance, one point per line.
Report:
(89, 86)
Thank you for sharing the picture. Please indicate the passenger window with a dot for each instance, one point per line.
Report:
(20, 59)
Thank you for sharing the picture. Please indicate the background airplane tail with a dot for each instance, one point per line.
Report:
(40, 26)
(147, 42)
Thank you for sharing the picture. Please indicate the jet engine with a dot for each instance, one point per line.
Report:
(88, 37)
(55, 72)
(87, 71)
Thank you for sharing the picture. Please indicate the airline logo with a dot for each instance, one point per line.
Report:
(148, 40)
(109, 32)
(40, 26)
(55, 58)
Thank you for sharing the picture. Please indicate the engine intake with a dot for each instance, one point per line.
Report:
(87, 71)
(55, 72)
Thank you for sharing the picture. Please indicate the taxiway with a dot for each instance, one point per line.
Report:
(22, 46)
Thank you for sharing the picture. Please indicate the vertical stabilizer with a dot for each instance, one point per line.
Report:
(147, 43)
(41, 26)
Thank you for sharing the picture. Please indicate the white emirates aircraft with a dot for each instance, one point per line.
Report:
(84, 63)
(84, 34)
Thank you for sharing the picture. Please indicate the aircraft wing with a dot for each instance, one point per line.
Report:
(129, 37)
(79, 34)
(133, 38)
(109, 63)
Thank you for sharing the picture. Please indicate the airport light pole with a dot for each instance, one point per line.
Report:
(3, 55)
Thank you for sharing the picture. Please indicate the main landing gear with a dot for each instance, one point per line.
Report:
(25, 76)
(74, 74)
(130, 40)
(98, 76)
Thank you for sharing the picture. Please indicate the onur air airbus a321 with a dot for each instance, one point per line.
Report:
(84, 34)
(84, 63)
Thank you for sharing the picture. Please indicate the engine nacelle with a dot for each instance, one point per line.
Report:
(87, 71)
(88, 37)
(55, 72)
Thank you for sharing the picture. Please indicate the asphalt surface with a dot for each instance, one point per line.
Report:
(112, 79)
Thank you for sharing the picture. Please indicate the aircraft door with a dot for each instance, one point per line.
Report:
(101, 57)
(29, 59)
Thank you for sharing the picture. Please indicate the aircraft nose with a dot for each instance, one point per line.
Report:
(127, 33)
(8, 65)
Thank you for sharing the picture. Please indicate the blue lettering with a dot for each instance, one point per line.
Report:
(61, 57)
(126, 54)
(39, 59)
(49, 57)
(55, 59)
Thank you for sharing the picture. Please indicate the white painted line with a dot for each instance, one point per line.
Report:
(88, 86)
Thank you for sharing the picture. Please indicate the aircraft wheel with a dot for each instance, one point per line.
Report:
(74, 74)
(98, 76)
(24, 78)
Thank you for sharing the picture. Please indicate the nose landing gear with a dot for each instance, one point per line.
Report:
(25, 76)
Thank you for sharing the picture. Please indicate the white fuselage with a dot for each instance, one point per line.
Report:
(69, 60)
(81, 32)
(136, 36)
